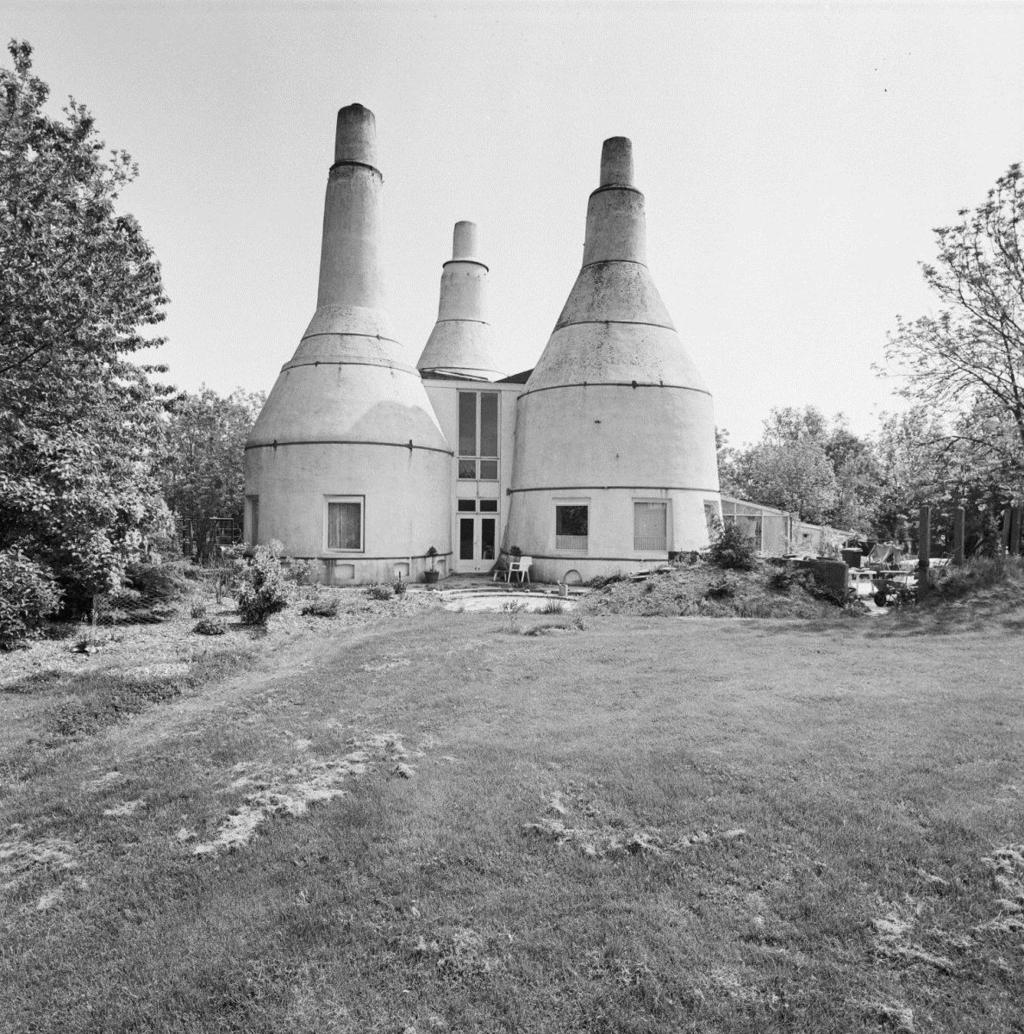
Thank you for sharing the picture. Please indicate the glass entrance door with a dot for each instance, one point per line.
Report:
(478, 539)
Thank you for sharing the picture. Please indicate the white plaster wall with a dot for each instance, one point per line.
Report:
(608, 446)
(443, 395)
(610, 540)
(406, 504)
(616, 435)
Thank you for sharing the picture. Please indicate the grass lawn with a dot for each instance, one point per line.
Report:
(430, 822)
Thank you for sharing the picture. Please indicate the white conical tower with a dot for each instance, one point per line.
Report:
(615, 462)
(346, 462)
(461, 343)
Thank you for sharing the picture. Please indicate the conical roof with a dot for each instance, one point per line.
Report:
(614, 327)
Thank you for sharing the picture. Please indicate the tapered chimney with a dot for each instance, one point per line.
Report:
(462, 343)
(348, 424)
(614, 460)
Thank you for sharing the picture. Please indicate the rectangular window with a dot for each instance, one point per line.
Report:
(345, 523)
(478, 435)
(252, 514)
(650, 527)
(488, 505)
(488, 423)
(467, 423)
(572, 528)
(467, 505)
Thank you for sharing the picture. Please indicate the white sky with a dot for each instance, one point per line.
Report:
(794, 158)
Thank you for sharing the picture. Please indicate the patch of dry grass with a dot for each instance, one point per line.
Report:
(643, 826)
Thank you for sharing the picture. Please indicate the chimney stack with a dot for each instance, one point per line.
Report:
(461, 343)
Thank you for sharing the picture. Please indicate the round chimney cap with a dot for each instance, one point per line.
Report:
(356, 136)
(617, 162)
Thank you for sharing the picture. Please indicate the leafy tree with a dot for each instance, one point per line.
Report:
(728, 457)
(807, 465)
(796, 476)
(924, 459)
(77, 282)
(857, 475)
(201, 471)
(969, 358)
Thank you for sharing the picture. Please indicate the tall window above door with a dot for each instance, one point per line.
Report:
(478, 435)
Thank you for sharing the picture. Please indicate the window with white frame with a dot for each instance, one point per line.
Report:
(650, 526)
(343, 531)
(478, 435)
(572, 527)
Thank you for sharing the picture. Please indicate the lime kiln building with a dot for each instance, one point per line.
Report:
(600, 459)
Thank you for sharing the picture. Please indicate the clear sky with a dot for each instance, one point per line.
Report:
(795, 158)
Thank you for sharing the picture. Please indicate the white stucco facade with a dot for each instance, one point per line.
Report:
(601, 459)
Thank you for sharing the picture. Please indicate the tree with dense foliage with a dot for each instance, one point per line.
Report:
(924, 460)
(807, 465)
(201, 471)
(969, 358)
(78, 282)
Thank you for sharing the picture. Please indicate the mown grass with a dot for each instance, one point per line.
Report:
(789, 787)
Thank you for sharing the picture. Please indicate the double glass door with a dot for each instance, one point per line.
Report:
(478, 534)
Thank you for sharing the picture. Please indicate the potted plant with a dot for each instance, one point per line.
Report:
(431, 574)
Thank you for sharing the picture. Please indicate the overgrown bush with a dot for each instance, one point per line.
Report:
(198, 609)
(264, 589)
(210, 626)
(783, 579)
(156, 583)
(720, 589)
(399, 586)
(732, 550)
(321, 607)
(380, 591)
(951, 583)
(27, 595)
(303, 572)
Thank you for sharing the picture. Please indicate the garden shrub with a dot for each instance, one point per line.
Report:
(264, 589)
(721, 589)
(302, 572)
(783, 579)
(156, 583)
(399, 586)
(210, 626)
(321, 607)
(732, 550)
(379, 591)
(27, 595)
(951, 583)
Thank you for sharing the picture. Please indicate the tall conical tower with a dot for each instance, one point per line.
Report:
(346, 463)
(615, 459)
(461, 343)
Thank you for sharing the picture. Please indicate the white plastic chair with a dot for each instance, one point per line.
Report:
(520, 566)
